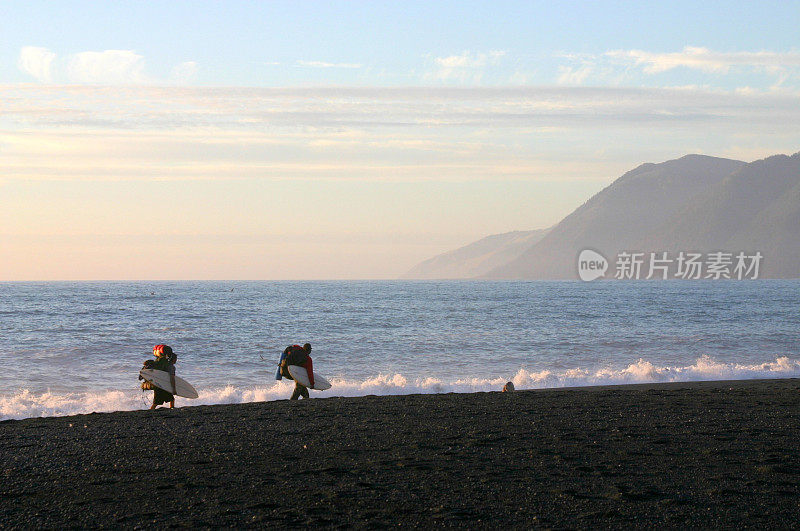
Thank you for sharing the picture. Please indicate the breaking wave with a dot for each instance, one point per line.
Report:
(25, 404)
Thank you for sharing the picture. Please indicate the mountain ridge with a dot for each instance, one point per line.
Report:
(692, 203)
(476, 258)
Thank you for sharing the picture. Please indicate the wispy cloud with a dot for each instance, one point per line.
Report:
(80, 132)
(321, 64)
(37, 62)
(407, 108)
(568, 75)
(625, 67)
(467, 67)
(107, 67)
(705, 60)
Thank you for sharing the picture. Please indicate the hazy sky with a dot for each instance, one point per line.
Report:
(243, 140)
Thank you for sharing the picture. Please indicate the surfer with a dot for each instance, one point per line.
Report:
(165, 361)
(297, 355)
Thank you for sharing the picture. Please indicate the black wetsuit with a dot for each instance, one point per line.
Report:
(161, 396)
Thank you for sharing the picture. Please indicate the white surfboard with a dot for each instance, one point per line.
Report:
(300, 374)
(161, 380)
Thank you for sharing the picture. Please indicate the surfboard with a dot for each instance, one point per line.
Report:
(300, 374)
(161, 380)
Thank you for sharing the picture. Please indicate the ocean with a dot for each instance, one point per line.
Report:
(77, 347)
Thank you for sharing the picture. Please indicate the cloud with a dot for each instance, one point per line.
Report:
(705, 60)
(574, 76)
(108, 67)
(321, 64)
(467, 67)
(340, 108)
(79, 132)
(38, 62)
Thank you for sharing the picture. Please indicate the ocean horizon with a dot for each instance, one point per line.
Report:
(77, 347)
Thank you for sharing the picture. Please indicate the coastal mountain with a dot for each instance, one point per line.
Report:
(695, 203)
(620, 217)
(756, 208)
(477, 258)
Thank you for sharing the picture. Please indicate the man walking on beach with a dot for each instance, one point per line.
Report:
(300, 356)
(165, 361)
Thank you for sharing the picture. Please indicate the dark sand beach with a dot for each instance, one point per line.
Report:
(699, 454)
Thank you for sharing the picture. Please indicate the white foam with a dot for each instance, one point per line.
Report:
(25, 404)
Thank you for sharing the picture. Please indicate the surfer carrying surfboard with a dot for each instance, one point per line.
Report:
(165, 361)
(159, 377)
(301, 357)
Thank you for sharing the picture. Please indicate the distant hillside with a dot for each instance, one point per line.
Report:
(692, 204)
(756, 208)
(477, 258)
(620, 217)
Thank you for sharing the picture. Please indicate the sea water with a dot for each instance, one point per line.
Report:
(69, 348)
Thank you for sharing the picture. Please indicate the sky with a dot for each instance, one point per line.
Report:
(351, 140)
